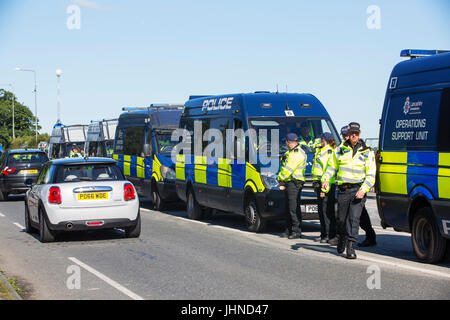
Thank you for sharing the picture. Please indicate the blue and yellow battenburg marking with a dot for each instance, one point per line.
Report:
(407, 173)
(220, 172)
(139, 167)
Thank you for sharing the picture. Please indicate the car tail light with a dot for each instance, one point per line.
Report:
(54, 195)
(128, 191)
(9, 171)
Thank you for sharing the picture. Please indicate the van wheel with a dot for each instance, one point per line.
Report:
(429, 245)
(157, 201)
(45, 234)
(193, 209)
(253, 220)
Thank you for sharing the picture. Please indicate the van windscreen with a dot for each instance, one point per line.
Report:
(307, 130)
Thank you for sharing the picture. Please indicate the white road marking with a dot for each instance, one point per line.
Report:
(2, 215)
(18, 225)
(405, 266)
(361, 257)
(109, 281)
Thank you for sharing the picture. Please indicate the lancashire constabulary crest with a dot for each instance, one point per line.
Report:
(406, 107)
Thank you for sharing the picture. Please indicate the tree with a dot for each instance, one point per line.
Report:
(24, 120)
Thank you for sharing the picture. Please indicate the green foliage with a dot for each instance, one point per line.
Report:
(29, 141)
(24, 120)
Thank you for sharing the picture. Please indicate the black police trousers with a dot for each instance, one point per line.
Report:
(293, 215)
(366, 225)
(327, 212)
(349, 212)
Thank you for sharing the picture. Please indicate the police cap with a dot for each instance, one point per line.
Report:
(354, 127)
(291, 137)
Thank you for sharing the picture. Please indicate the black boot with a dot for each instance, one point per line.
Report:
(368, 242)
(341, 244)
(351, 250)
(285, 234)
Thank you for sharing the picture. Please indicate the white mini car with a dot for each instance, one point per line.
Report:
(76, 194)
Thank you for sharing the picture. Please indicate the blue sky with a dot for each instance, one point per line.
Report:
(133, 53)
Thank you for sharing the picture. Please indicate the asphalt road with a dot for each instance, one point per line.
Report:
(176, 258)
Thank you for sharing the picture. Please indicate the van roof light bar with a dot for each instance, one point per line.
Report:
(417, 53)
(155, 106)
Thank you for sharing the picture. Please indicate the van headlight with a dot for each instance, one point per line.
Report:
(167, 173)
(270, 181)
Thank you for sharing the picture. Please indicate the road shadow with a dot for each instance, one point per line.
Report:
(230, 219)
(92, 236)
(16, 198)
(390, 245)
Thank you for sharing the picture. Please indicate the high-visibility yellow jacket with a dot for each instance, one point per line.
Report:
(312, 144)
(322, 160)
(74, 154)
(293, 164)
(359, 168)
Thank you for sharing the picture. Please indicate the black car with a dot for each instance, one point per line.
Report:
(16, 166)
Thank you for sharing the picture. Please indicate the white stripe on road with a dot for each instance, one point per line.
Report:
(106, 279)
(2, 215)
(18, 225)
(405, 266)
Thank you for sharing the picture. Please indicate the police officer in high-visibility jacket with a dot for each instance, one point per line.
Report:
(292, 178)
(306, 137)
(75, 152)
(325, 197)
(355, 166)
(364, 220)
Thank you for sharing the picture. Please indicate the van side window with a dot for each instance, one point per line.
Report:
(220, 124)
(120, 138)
(444, 121)
(412, 121)
(188, 124)
(134, 140)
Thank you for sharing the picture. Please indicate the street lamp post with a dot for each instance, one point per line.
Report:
(14, 98)
(35, 97)
(58, 76)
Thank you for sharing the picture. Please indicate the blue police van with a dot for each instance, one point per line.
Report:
(239, 173)
(142, 148)
(413, 176)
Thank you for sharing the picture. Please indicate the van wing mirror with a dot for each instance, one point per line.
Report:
(147, 150)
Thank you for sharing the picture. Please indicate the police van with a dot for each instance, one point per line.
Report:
(100, 138)
(65, 138)
(413, 176)
(56, 142)
(238, 173)
(143, 147)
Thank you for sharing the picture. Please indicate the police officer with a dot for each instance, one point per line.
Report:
(364, 221)
(355, 166)
(75, 151)
(325, 197)
(292, 178)
(306, 139)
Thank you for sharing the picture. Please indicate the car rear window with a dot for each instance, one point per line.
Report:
(16, 159)
(88, 172)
